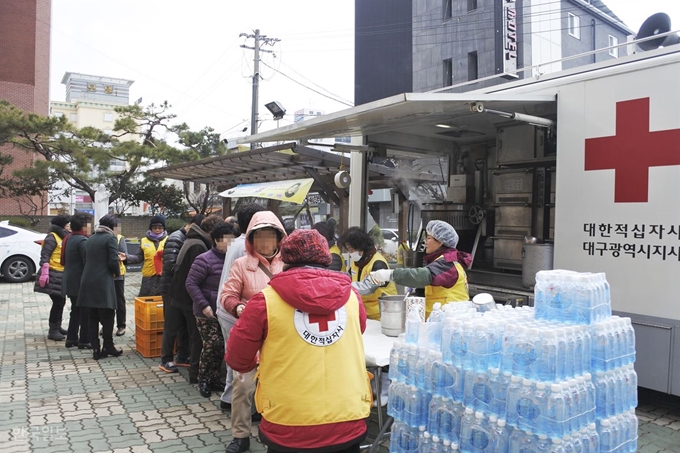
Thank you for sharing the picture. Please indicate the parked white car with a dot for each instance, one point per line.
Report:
(391, 237)
(19, 252)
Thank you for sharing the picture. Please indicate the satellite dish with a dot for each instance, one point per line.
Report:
(342, 179)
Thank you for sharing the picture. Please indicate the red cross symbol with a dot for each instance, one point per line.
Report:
(632, 151)
(322, 321)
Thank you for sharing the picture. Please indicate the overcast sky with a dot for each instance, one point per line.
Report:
(189, 53)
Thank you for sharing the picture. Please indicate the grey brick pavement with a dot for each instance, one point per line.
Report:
(54, 399)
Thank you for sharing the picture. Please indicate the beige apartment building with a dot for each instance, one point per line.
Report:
(90, 101)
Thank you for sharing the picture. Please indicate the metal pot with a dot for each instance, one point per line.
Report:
(535, 257)
(392, 315)
(413, 259)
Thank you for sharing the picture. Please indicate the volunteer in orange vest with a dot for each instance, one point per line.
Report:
(364, 260)
(150, 253)
(312, 390)
(51, 273)
(443, 278)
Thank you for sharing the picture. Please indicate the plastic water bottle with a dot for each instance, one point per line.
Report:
(593, 438)
(395, 375)
(425, 443)
(435, 330)
(605, 433)
(540, 398)
(396, 401)
(513, 396)
(440, 377)
(546, 369)
(456, 379)
(411, 361)
(526, 410)
(570, 352)
(586, 350)
(412, 325)
(497, 392)
(601, 391)
(556, 446)
(555, 411)
(424, 357)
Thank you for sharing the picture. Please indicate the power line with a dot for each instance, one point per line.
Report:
(309, 88)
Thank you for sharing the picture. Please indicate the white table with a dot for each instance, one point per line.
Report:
(377, 347)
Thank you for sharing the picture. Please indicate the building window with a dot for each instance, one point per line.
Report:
(73, 117)
(448, 9)
(448, 72)
(614, 41)
(58, 114)
(472, 5)
(108, 117)
(472, 66)
(574, 25)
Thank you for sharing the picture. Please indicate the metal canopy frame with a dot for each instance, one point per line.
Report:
(280, 163)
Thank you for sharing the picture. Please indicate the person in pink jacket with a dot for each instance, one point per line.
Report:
(248, 276)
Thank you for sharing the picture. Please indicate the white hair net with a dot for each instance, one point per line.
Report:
(443, 232)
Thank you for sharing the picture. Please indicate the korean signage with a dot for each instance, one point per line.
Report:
(628, 241)
(509, 29)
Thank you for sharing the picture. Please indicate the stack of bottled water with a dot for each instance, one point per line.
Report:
(572, 297)
(556, 378)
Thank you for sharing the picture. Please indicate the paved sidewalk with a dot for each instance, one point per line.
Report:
(54, 399)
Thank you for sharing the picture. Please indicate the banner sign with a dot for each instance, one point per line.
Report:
(292, 190)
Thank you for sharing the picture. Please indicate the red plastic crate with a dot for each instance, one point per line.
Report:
(149, 313)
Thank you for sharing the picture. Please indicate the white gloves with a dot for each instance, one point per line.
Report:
(382, 276)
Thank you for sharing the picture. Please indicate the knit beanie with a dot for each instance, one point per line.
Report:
(157, 220)
(305, 247)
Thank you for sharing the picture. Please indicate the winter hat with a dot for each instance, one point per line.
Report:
(60, 220)
(443, 232)
(306, 247)
(157, 220)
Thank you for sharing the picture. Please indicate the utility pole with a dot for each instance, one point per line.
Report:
(258, 38)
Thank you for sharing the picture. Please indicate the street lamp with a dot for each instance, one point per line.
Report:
(276, 109)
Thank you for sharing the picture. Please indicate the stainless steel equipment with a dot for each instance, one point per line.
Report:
(535, 257)
(392, 315)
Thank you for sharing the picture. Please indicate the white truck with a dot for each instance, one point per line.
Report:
(586, 159)
(617, 195)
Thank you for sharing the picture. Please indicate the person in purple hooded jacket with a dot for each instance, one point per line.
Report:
(443, 278)
(202, 284)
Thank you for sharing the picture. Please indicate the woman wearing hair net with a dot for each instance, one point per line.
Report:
(443, 277)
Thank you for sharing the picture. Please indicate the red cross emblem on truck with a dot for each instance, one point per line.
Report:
(632, 151)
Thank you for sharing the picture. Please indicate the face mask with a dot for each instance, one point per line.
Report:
(355, 256)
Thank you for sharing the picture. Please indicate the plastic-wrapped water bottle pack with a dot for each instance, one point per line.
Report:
(555, 378)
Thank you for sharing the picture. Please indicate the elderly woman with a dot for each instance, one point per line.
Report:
(202, 284)
(249, 275)
(443, 277)
(51, 273)
(149, 254)
(366, 259)
(97, 293)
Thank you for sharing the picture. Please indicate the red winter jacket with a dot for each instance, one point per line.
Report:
(311, 290)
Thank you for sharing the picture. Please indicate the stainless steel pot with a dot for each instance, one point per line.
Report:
(392, 315)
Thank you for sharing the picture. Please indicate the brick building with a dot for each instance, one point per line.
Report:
(24, 68)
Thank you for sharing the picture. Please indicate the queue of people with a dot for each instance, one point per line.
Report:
(283, 313)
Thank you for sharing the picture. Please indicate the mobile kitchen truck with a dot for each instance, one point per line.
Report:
(587, 161)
